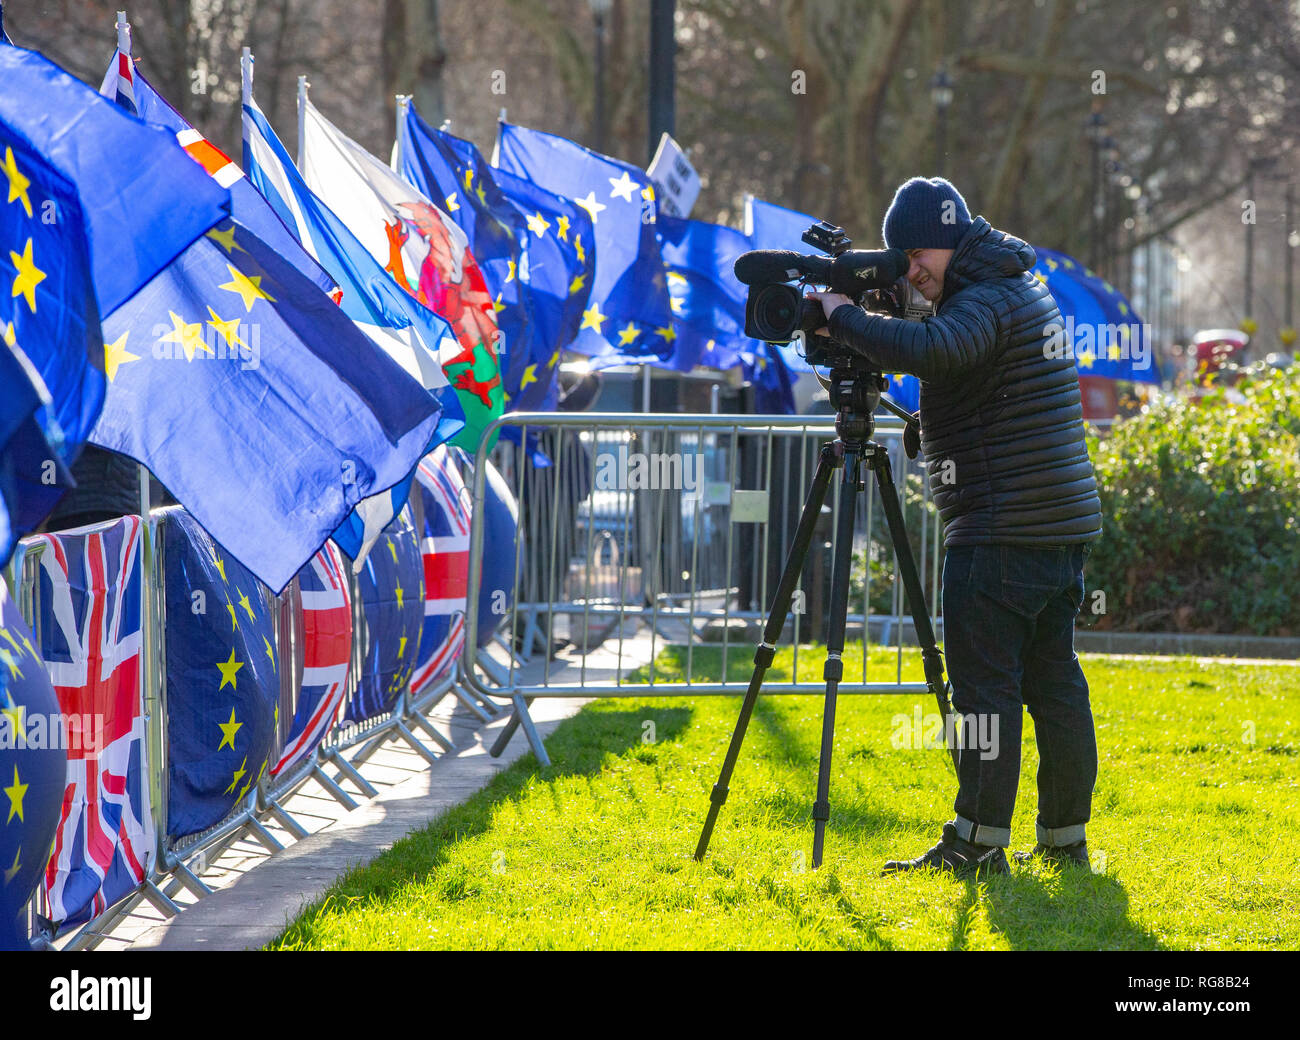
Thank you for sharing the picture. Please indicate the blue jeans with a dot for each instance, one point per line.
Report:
(1008, 621)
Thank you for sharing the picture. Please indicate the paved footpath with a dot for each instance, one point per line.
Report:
(257, 905)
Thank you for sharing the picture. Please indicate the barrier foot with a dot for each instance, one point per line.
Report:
(95, 931)
(159, 900)
(191, 881)
(464, 697)
(416, 745)
(336, 792)
(434, 735)
(264, 837)
(346, 769)
(286, 820)
(520, 717)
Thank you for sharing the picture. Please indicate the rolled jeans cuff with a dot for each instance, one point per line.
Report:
(978, 835)
(1055, 837)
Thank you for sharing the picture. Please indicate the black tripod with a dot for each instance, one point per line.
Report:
(855, 394)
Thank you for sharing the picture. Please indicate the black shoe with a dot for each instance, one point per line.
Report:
(955, 854)
(1075, 855)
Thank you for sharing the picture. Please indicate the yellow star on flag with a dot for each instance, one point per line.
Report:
(116, 355)
(592, 318)
(226, 239)
(554, 358)
(482, 195)
(648, 193)
(399, 592)
(577, 248)
(530, 376)
(12, 872)
(16, 791)
(189, 336)
(452, 204)
(677, 304)
(628, 334)
(248, 288)
(271, 654)
(29, 276)
(228, 731)
(236, 778)
(562, 227)
(1051, 264)
(243, 602)
(392, 549)
(469, 178)
(510, 270)
(497, 305)
(667, 332)
(228, 670)
(221, 567)
(228, 328)
(8, 660)
(18, 184)
(1084, 360)
(1041, 277)
(578, 282)
(1123, 309)
(538, 224)
(674, 278)
(401, 648)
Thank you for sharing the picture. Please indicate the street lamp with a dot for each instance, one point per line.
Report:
(941, 95)
(599, 11)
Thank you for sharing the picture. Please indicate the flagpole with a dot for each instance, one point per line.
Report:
(123, 34)
(403, 103)
(246, 74)
(302, 115)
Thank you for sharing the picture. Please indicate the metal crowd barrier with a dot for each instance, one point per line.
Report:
(653, 530)
(178, 864)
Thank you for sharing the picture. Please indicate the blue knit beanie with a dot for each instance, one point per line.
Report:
(926, 214)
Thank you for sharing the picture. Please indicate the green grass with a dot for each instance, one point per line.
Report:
(1193, 831)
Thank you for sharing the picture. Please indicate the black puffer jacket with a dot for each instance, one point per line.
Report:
(1001, 422)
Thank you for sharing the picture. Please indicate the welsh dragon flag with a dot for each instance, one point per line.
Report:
(425, 252)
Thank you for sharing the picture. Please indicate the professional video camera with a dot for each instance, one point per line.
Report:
(776, 311)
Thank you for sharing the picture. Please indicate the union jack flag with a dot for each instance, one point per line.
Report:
(327, 651)
(90, 608)
(444, 544)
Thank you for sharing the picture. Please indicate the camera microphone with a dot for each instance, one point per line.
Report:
(852, 272)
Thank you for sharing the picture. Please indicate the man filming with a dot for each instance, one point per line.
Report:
(1002, 432)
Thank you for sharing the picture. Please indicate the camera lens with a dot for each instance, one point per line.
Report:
(775, 313)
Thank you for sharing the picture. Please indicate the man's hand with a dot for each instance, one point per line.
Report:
(829, 301)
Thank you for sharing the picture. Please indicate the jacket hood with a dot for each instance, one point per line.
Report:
(985, 253)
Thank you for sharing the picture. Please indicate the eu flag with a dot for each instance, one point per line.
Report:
(708, 303)
(142, 199)
(223, 678)
(1100, 329)
(241, 386)
(629, 317)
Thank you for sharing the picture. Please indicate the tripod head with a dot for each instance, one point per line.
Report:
(856, 390)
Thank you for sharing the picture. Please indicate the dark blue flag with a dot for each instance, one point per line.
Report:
(1099, 328)
(257, 403)
(628, 317)
(392, 599)
(142, 198)
(708, 303)
(223, 680)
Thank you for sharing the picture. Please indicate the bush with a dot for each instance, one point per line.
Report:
(1199, 506)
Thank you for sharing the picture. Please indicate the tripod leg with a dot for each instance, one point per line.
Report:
(834, 669)
(776, 618)
(931, 658)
